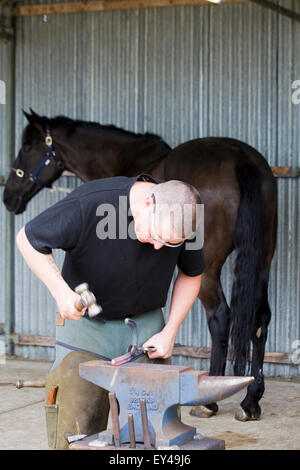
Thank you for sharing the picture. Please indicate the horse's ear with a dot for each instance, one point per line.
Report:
(36, 116)
(35, 120)
(28, 117)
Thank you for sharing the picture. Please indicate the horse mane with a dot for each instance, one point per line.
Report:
(71, 125)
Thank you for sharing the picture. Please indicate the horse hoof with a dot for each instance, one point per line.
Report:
(202, 411)
(241, 415)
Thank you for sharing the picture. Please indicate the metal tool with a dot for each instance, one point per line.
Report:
(145, 424)
(87, 300)
(30, 383)
(115, 418)
(131, 431)
(163, 388)
(75, 437)
(133, 351)
(25, 383)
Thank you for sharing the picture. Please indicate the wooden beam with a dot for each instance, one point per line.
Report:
(104, 5)
(204, 353)
(179, 350)
(33, 340)
(286, 171)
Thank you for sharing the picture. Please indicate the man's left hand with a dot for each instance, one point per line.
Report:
(163, 343)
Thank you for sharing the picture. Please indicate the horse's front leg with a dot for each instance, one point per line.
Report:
(218, 317)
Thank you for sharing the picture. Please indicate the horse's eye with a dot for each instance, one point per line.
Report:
(26, 148)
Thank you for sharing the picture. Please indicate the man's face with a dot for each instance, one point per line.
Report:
(153, 230)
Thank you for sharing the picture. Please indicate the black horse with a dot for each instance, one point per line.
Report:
(239, 194)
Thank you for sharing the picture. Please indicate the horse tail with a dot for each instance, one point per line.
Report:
(248, 263)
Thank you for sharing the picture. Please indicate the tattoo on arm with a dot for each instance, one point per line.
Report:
(54, 268)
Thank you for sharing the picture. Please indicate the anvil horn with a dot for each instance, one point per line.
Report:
(212, 389)
(203, 389)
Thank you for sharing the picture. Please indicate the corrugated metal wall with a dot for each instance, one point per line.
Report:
(181, 72)
(4, 145)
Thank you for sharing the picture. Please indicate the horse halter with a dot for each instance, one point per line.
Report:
(50, 155)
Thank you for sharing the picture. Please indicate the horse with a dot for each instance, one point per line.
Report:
(239, 193)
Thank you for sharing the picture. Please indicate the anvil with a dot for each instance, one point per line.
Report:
(163, 387)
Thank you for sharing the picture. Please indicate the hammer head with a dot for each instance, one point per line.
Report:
(88, 299)
(82, 288)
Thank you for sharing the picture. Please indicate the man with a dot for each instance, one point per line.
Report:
(118, 241)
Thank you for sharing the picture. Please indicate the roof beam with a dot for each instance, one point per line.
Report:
(103, 5)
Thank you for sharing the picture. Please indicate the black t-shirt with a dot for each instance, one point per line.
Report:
(126, 276)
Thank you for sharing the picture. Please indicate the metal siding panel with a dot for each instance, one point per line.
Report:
(4, 113)
(284, 288)
(181, 72)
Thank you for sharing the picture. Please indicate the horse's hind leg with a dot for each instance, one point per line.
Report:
(218, 317)
(249, 408)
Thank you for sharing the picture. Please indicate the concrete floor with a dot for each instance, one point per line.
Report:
(22, 418)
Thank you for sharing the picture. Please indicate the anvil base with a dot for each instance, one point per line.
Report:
(198, 443)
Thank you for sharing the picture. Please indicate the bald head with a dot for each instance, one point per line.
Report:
(175, 208)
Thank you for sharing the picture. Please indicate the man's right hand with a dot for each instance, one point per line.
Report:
(66, 305)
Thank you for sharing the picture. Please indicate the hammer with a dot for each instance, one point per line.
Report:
(26, 383)
(87, 300)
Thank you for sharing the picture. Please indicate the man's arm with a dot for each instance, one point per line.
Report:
(47, 271)
(185, 291)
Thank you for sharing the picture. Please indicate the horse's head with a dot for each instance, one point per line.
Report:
(35, 167)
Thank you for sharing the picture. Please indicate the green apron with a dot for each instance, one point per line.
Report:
(106, 340)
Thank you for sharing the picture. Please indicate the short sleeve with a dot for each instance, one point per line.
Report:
(56, 227)
(191, 262)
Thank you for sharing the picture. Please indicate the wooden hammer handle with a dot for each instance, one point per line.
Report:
(60, 320)
(51, 397)
(79, 305)
(30, 383)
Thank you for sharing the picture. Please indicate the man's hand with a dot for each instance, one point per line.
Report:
(185, 291)
(66, 305)
(163, 342)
